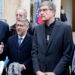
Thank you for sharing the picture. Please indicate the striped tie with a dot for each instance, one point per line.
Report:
(20, 41)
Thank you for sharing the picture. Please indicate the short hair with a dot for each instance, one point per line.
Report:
(25, 12)
(50, 4)
(25, 22)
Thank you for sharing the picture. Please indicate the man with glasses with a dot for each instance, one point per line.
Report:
(21, 14)
(52, 44)
(19, 47)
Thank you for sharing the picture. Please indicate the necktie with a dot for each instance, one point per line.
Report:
(20, 41)
(73, 63)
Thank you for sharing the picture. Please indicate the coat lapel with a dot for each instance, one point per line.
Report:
(16, 41)
(54, 32)
(43, 37)
(24, 41)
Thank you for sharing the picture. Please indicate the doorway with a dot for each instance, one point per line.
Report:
(73, 15)
(67, 5)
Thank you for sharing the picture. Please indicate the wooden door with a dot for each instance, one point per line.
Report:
(73, 15)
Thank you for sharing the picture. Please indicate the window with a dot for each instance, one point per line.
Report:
(2, 10)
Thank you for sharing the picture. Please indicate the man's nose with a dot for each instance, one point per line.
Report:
(41, 13)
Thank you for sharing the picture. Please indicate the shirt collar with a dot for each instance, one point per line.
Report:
(22, 36)
(51, 25)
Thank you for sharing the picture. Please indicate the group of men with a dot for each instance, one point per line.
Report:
(48, 52)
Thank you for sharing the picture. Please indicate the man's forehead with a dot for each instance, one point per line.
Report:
(19, 11)
(20, 23)
(44, 7)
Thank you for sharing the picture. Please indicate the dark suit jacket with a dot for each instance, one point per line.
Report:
(4, 33)
(20, 54)
(56, 56)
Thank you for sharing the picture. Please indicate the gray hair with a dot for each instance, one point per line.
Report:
(25, 12)
(25, 22)
(50, 4)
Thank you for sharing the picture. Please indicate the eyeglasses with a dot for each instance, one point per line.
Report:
(19, 15)
(19, 25)
(44, 10)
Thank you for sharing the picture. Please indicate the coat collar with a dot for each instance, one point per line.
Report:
(43, 35)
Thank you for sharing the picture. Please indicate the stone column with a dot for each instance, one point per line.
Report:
(26, 4)
(9, 10)
(58, 7)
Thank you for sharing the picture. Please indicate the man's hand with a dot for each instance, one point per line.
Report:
(50, 73)
(22, 67)
(40, 73)
(1, 47)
